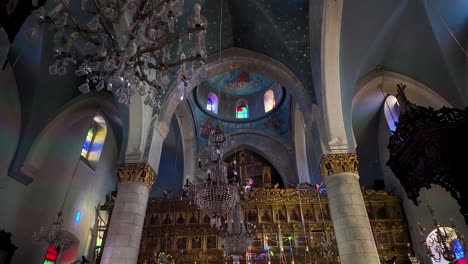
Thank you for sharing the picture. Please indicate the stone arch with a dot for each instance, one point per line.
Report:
(272, 149)
(238, 59)
(369, 97)
(81, 111)
(329, 92)
(186, 122)
(371, 127)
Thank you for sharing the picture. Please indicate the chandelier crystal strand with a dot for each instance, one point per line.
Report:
(212, 192)
(236, 238)
(125, 46)
(53, 234)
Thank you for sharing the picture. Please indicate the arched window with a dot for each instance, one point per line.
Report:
(94, 141)
(269, 100)
(391, 111)
(212, 103)
(242, 109)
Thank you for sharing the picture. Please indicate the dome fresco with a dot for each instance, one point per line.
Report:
(239, 82)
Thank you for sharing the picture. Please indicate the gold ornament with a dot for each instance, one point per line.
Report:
(336, 163)
(137, 172)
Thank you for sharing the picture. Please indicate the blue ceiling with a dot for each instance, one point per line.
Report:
(276, 28)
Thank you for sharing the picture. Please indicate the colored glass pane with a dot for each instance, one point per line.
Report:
(209, 105)
(212, 103)
(99, 241)
(458, 249)
(51, 255)
(87, 144)
(242, 112)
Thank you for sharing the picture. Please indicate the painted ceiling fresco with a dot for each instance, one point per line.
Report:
(239, 82)
(276, 28)
(275, 124)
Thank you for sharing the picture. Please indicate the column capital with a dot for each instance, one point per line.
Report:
(336, 163)
(137, 172)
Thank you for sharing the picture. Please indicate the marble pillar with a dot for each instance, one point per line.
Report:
(347, 209)
(126, 224)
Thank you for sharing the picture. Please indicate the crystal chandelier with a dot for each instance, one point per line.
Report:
(236, 238)
(212, 192)
(125, 46)
(163, 258)
(443, 243)
(53, 234)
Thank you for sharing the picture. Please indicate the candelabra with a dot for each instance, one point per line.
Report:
(443, 243)
(212, 192)
(53, 234)
(127, 46)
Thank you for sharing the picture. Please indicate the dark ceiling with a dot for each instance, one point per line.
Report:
(276, 28)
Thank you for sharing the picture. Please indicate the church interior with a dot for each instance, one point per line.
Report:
(233, 131)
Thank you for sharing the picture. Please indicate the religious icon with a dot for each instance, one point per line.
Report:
(275, 123)
(294, 216)
(281, 216)
(309, 215)
(206, 219)
(211, 242)
(166, 243)
(167, 220)
(266, 176)
(154, 220)
(206, 128)
(182, 243)
(266, 217)
(193, 219)
(196, 242)
(153, 243)
(382, 238)
(252, 216)
(180, 220)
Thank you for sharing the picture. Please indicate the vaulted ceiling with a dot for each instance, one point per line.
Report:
(412, 38)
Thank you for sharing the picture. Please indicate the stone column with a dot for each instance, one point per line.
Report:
(126, 225)
(348, 212)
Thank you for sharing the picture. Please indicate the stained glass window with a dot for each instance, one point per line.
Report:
(269, 100)
(242, 111)
(88, 142)
(212, 103)
(51, 255)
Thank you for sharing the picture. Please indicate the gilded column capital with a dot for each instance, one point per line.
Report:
(336, 163)
(137, 172)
